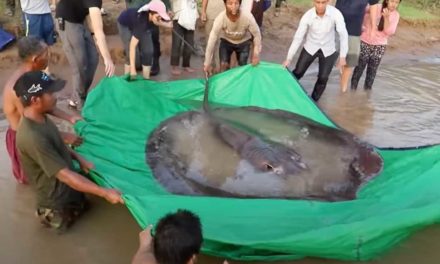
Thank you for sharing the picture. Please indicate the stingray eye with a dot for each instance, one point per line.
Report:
(268, 167)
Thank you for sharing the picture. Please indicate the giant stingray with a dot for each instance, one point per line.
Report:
(260, 153)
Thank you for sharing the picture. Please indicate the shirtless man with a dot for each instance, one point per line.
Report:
(34, 54)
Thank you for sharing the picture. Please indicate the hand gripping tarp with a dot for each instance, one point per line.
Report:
(120, 115)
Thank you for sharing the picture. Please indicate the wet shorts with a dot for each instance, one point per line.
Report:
(354, 49)
(242, 51)
(40, 26)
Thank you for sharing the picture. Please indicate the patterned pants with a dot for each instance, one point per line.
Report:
(370, 57)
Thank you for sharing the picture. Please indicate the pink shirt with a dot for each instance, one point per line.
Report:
(381, 37)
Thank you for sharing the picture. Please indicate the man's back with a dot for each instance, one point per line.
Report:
(12, 106)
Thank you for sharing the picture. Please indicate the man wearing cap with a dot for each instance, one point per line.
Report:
(47, 161)
(136, 30)
(34, 56)
(78, 43)
(155, 67)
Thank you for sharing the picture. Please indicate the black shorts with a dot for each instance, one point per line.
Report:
(242, 50)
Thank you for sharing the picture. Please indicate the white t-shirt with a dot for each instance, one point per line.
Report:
(35, 7)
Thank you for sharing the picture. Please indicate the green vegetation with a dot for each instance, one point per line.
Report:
(409, 9)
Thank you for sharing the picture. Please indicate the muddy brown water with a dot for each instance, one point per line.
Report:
(401, 111)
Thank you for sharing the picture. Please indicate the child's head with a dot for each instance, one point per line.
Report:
(232, 6)
(390, 5)
(33, 51)
(178, 238)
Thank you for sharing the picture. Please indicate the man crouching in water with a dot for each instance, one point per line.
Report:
(35, 56)
(47, 161)
(236, 30)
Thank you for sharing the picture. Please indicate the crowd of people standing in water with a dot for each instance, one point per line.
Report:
(39, 153)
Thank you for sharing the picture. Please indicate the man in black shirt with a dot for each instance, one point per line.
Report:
(353, 12)
(78, 43)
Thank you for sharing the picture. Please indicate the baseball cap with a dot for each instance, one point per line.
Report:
(36, 83)
(156, 6)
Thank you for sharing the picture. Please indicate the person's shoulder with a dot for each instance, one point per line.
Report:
(246, 15)
(309, 13)
(332, 9)
(25, 133)
(221, 16)
(8, 89)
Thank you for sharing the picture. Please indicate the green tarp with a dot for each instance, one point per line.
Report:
(120, 115)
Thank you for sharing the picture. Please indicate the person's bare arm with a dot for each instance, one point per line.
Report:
(343, 40)
(255, 31)
(144, 254)
(71, 139)
(82, 184)
(298, 38)
(53, 5)
(98, 29)
(132, 55)
(71, 118)
(213, 37)
(85, 165)
(68, 138)
(373, 15)
(203, 15)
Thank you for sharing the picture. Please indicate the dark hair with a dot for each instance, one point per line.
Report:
(30, 46)
(382, 19)
(178, 237)
(27, 101)
(239, 1)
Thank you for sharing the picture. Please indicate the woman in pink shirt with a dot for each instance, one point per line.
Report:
(373, 47)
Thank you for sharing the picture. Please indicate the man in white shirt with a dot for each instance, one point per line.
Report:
(318, 26)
